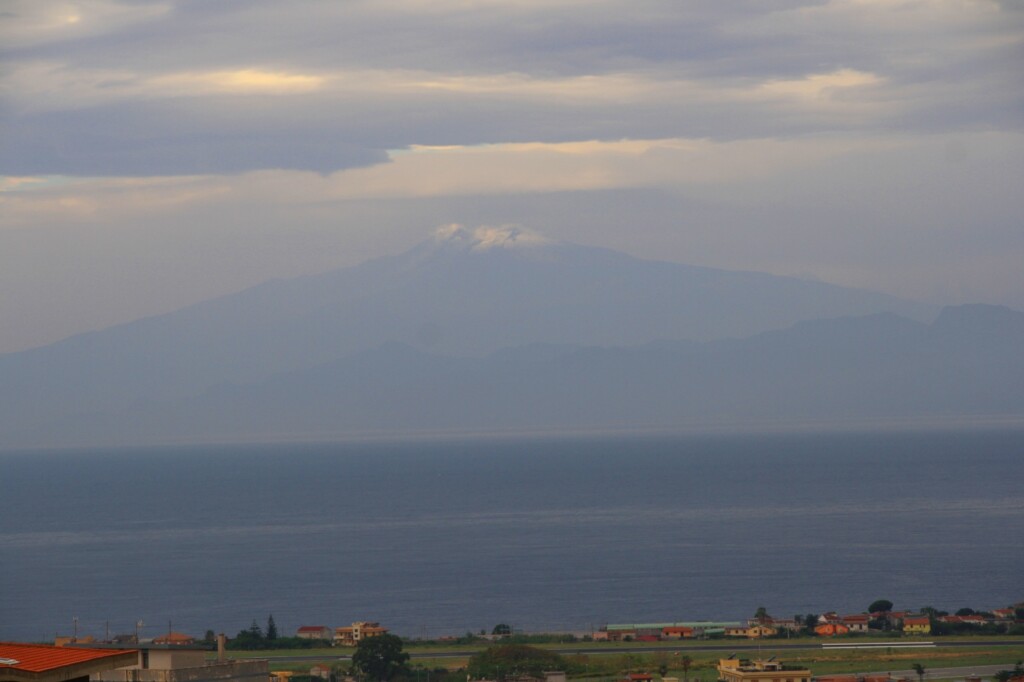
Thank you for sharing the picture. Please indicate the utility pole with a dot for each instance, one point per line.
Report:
(74, 621)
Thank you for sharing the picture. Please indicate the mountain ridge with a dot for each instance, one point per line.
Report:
(464, 293)
(874, 367)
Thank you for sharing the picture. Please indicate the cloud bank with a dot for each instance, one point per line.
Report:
(203, 147)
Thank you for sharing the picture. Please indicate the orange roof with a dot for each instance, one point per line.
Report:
(38, 658)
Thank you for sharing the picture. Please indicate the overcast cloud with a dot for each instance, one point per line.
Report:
(157, 153)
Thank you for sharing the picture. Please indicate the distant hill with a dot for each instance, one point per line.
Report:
(847, 370)
(462, 294)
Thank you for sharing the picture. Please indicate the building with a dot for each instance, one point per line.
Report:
(314, 632)
(786, 624)
(677, 632)
(322, 670)
(64, 640)
(972, 619)
(175, 638)
(856, 623)
(758, 631)
(831, 630)
(45, 663)
(743, 670)
(918, 625)
(182, 663)
(631, 631)
(358, 631)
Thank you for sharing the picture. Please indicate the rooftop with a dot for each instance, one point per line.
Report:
(46, 662)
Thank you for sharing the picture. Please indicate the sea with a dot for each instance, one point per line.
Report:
(439, 537)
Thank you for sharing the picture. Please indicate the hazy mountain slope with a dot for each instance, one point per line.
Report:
(463, 294)
(882, 366)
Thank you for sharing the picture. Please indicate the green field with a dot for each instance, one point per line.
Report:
(601, 661)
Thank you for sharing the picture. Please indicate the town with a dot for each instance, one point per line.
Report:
(878, 645)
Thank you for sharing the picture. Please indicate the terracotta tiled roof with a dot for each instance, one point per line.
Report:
(38, 658)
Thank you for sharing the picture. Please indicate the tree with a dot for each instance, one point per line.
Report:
(966, 611)
(380, 657)
(919, 669)
(249, 639)
(1006, 675)
(254, 630)
(210, 636)
(502, 629)
(271, 628)
(761, 615)
(880, 605)
(685, 662)
(497, 662)
(810, 621)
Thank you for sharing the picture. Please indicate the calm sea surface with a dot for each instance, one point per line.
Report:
(443, 537)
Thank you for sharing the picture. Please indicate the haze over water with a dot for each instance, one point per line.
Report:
(435, 538)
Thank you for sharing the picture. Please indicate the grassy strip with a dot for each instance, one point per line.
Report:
(599, 667)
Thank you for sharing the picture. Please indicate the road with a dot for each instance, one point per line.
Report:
(982, 671)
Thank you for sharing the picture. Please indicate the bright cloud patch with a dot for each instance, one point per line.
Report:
(31, 22)
(239, 81)
(821, 85)
(539, 167)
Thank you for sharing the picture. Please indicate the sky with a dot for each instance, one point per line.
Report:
(158, 153)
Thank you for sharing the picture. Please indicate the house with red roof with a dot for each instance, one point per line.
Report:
(45, 663)
(676, 632)
(856, 623)
(917, 625)
(314, 632)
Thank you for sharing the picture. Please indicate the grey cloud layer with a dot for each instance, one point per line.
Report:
(872, 143)
(198, 87)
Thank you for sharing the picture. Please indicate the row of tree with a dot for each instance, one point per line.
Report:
(256, 638)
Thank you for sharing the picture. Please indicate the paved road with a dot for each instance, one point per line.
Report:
(983, 671)
(772, 645)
